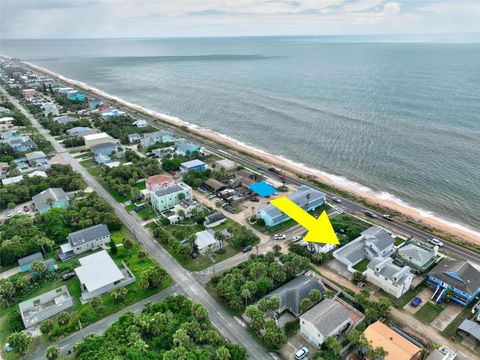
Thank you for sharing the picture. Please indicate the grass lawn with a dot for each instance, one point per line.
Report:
(405, 298)
(130, 207)
(398, 241)
(428, 312)
(362, 265)
(96, 172)
(287, 224)
(147, 213)
(10, 320)
(140, 185)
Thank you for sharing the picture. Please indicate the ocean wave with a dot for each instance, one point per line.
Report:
(341, 181)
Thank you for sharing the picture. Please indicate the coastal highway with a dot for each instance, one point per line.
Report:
(221, 319)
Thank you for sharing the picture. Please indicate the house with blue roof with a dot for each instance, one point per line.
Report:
(306, 197)
(75, 95)
(456, 276)
(192, 165)
(186, 148)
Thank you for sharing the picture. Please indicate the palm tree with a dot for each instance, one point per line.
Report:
(246, 294)
(50, 202)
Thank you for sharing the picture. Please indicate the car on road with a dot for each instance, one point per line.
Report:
(301, 354)
(68, 276)
(19, 211)
(247, 248)
(435, 241)
(26, 209)
(337, 200)
(296, 238)
(370, 214)
(279, 237)
(387, 217)
(415, 302)
(9, 214)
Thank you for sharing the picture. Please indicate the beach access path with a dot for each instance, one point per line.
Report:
(227, 325)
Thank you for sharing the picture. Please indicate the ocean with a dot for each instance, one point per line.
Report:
(401, 118)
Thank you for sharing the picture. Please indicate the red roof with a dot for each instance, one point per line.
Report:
(158, 181)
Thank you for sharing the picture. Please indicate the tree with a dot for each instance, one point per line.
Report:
(63, 318)
(220, 237)
(246, 295)
(274, 335)
(46, 326)
(39, 268)
(119, 293)
(53, 352)
(141, 254)
(50, 202)
(383, 306)
(127, 243)
(96, 302)
(19, 342)
(181, 196)
(329, 294)
(377, 353)
(305, 304)
(333, 345)
(371, 315)
(357, 277)
(273, 303)
(222, 353)
(315, 295)
(276, 249)
(43, 241)
(113, 247)
(257, 320)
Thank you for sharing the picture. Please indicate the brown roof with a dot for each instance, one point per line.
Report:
(398, 348)
(215, 184)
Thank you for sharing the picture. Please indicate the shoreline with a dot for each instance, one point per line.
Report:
(383, 199)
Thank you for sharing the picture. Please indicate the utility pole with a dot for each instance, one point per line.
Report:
(81, 328)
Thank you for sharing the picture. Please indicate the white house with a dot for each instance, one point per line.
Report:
(83, 240)
(97, 139)
(389, 277)
(328, 318)
(206, 240)
(167, 198)
(140, 123)
(99, 274)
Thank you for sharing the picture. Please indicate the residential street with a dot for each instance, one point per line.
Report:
(223, 321)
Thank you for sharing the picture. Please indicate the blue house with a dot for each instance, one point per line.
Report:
(186, 148)
(273, 216)
(75, 95)
(93, 104)
(104, 149)
(192, 165)
(112, 113)
(458, 276)
(52, 198)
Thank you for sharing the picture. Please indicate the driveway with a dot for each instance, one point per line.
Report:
(447, 316)
(425, 295)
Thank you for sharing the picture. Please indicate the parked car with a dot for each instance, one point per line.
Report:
(337, 200)
(296, 238)
(26, 208)
(415, 302)
(68, 276)
(247, 248)
(19, 211)
(279, 236)
(301, 354)
(435, 241)
(387, 217)
(9, 214)
(254, 199)
(370, 214)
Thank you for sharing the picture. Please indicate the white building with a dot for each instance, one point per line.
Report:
(140, 123)
(50, 108)
(83, 240)
(99, 274)
(206, 240)
(97, 139)
(225, 164)
(391, 278)
(166, 198)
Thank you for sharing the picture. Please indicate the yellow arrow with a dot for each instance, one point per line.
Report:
(319, 230)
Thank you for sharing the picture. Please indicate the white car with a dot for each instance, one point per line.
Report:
(296, 238)
(301, 354)
(9, 214)
(435, 241)
(19, 212)
(279, 236)
(337, 200)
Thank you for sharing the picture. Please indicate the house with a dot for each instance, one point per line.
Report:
(458, 276)
(93, 104)
(372, 243)
(75, 95)
(247, 178)
(192, 165)
(64, 90)
(317, 247)
(160, 153)
(19, 178)
(52, 198)
(6, 122)
(327, 318)
(64, 119)
(104, 149)
(44, 306)
(272, 216)
(103, 159)
(205, 240)
(263, 189)
(112, 113)
(167, 198)
(470, 329)
(140, 123)
(134, 138)
(445, 353)
(50, 108)
(25, 263)
(225, 164)
(418, 255)
(80, 131)
(157, 182)
(96, 139)
(157, 137)
(391, 278)
(215, 185)
(214, 219)
(99, 274)
(184, 210)
(83, 240)
(186, 148)
(37, 158)
(293, 292)
(29, 93)
(398, 347)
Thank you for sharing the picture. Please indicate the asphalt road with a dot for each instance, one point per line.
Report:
(224, 322)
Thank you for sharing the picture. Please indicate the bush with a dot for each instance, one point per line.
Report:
(292, 327)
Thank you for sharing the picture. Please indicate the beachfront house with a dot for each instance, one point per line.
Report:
(418, 255)
(140, 123)
(52, 198)
(186, 148)
(305, 197)
(161, 137)
(456, 276)
(75, 95)
(166, 198)
(192, 165)
(112, 113)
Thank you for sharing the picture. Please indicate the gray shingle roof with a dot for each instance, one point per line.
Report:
(30, 258)
(168, 190)
(326, 316)
(293, 292)
(418, 253)
(216, 216)
(459, 274)
(380, 236)
(88, 234)
(40, 200)
(470, 327)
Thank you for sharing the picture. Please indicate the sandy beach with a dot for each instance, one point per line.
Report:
(460, 231)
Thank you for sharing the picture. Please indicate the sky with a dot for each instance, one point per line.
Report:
(32, 19)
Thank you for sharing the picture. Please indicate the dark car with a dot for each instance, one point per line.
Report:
(415, 302)
(255, 199)
(247, 248)
(370, 214)
(68, 276)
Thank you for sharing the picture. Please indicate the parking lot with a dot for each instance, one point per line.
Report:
(17, 210)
